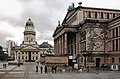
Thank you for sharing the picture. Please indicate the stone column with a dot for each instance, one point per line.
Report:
(73, 45)
(55, 46)
(92, 14)
(85, 15)
(118, 44)
(62, 45)
(15, 55)
(119, 31)
(77, 44)
(65, 43)
(58, 46)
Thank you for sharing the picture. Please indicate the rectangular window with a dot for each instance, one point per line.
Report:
(113, 14)
(113, 32)
(116, 31)
(107, 15)
(89, 14)
(84, 35)
(116, 44)
(26, 57)
(75, 48)
(110, 46)
(109, 33)
(102, 15)
(95, 14)
(113, 60)
(19, 57)
(119, 30)
(119, 59)
(119, 44)
(81, 59)
(113, 45)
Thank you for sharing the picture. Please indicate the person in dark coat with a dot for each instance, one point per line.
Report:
(52, 69)
(36, 68)
(45, 69)
(41, 69)
(88, 68)
(55, 68)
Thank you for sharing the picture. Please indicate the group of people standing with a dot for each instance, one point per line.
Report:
(4, 65)
(54, 69)
(41, 69)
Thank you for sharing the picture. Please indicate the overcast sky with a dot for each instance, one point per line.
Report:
(44, 14)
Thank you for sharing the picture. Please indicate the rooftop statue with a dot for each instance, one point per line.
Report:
(71, 7)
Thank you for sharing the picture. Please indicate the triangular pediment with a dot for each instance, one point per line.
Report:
(30, 47)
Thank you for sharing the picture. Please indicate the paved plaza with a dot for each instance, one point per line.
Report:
(28, 71)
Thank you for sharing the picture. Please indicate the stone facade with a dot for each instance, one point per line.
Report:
(29, 50)
(87, 36)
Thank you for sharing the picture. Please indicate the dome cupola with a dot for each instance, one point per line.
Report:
(29, 22)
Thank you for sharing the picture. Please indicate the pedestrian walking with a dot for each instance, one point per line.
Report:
(3, 65)
(52, 69)
(18, 64)
(41, 69)
(88, 68)
(45, 69)
(55, 68)
(36, 68)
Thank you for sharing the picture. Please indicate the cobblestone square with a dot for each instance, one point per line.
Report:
(27, 71)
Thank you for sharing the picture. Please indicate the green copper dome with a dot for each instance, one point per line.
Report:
(45, 45)
(29, 22)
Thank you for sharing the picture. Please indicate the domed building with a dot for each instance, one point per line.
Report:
(46, 49)
(29, 50)
(45, 45)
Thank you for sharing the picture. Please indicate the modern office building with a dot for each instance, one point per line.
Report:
(89, 36)
(10, 45)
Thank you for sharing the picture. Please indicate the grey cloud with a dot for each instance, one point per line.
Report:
(3, 38)
(44, 14)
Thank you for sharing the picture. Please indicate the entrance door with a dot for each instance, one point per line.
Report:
(29, 55)
(98, 62)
